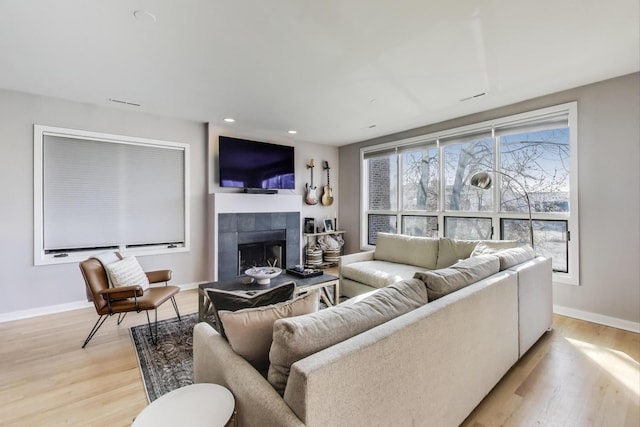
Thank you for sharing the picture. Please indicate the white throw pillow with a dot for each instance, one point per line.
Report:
(127, 272)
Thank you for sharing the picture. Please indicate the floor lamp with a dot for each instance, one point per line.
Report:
(484, 181)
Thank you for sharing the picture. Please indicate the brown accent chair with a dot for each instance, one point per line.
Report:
(109, 301)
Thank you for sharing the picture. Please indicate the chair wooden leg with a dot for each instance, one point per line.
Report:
(95, 328)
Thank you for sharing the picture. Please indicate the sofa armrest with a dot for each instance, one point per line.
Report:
(257, 402)
(535, 300)
(356, 257)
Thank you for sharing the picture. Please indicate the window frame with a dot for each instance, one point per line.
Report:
(398, 146)
(77, 255)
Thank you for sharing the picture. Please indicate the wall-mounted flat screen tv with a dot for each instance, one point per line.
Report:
(252, 164)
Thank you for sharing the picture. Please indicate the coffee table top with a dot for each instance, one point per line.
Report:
(236, 284)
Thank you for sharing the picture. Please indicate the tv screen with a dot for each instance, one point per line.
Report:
(252, 164)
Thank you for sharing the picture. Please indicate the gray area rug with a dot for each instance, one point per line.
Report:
(168, 365)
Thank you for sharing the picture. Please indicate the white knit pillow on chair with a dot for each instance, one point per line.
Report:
(127, 272)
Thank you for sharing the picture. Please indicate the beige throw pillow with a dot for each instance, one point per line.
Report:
(451, 251)
(127, 272)
(249, 331)
(298, 337)
(514, 256)
(237, 300)
(446, 280)
(492, 246)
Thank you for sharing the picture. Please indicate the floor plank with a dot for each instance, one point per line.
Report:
(579, 374)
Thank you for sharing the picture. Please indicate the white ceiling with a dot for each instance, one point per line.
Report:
(331, 69)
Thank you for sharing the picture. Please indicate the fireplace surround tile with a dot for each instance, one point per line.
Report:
(230, 224)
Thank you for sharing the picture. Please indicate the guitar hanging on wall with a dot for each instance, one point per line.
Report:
(311, 198)
(327, 193)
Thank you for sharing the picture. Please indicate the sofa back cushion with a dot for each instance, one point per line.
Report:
(398, 248)
(446, 280)
(298, 337)
(450, 251)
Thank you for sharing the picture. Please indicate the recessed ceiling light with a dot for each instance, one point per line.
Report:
(119, 101)
(473, 96)
(292, 132)
(229, 120)
(144, 16)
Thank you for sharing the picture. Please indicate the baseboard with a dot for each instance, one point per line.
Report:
(41, 311)
(52, 309)
(597, 318)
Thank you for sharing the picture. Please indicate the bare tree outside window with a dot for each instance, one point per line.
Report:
(420, 183)
(539, 160)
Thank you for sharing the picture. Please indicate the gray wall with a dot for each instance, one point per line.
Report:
(608, 169)
(24, 286)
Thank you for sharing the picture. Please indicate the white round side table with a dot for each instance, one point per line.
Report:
(190, 406)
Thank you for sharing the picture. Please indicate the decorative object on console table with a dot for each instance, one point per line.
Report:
(263, 275)
(309, 225)
(328, 226)
(300, 271)
(311, 198)
(327, 192)
(483, 181)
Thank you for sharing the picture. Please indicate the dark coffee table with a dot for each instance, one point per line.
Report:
(237, 284)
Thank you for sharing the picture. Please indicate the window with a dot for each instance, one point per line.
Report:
(97, 192)
(420, 186)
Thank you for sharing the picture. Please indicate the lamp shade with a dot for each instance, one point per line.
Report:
(481, 180)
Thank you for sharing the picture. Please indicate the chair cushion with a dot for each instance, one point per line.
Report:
(298, 337)
(250, 330)
(127, 272)
(446, 280)
(234, 301)
(398, 248)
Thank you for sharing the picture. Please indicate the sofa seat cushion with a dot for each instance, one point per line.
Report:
(446, 280)
(378, 274)
(298, 337)
(402, 249)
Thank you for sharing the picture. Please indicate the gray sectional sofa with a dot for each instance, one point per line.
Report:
(408, 353)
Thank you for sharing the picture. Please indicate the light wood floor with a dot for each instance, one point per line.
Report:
(580, 374)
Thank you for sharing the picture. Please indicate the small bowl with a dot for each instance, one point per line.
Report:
(263, 275)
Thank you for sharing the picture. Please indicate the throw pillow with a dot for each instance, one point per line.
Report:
(127, 272)
(452, 250)
(446, 280)
(250, 331)
(514, 256)
(298, 337)
(234, 301)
